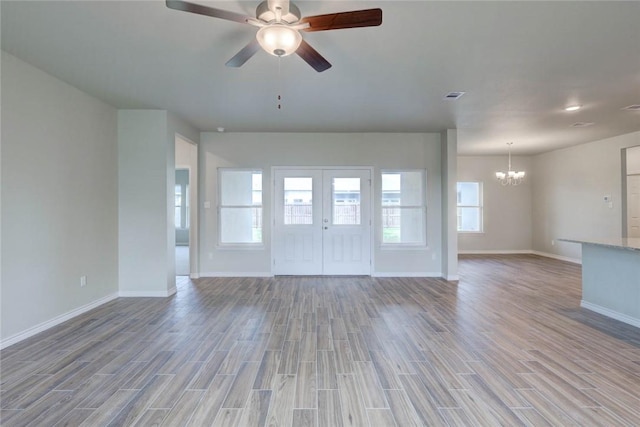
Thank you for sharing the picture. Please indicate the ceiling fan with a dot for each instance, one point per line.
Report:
(280, 23)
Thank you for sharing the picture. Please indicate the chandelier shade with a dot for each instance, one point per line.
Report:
(510, 177)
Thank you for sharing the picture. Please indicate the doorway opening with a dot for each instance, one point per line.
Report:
(631, 192)
(181, 219)
(185, 208)
(322, 221)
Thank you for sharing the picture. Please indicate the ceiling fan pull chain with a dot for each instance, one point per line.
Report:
(279, 84)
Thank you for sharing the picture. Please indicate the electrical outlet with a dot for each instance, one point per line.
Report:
(553, 243)
(83, 281)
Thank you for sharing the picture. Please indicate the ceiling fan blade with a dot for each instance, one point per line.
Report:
(282, 4)
(312, 57)
(340, 20)
(245, 53)
(208, 11)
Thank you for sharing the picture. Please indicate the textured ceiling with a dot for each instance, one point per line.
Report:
(520, 63)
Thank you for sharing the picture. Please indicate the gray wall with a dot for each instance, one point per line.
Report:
(146, 180)
(506, 210)
(264, 150)
(59, 198)
(448, 160)
(569, 186)
(142, 207)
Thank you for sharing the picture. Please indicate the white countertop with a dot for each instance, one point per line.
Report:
(631, 243)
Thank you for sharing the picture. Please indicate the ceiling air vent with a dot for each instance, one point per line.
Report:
(581, 124)
(634, 107)
(454, 95)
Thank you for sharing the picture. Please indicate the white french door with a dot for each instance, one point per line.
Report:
(322, 222)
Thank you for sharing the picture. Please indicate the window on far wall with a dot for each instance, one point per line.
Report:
(240, 209)
(469, 207)
(404, 211)
(182, 206)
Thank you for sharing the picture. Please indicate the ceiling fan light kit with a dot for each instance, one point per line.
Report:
(280, 24)
(279, 40)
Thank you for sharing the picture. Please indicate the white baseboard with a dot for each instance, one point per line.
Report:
(147, 294)
(55, 321)
(237, 274)
(521, 252)
(406, 274)
(194, 276)
(610, 313)
(496, 252)
(558, 257)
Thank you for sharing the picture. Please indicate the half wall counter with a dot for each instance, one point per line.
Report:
(611, 277)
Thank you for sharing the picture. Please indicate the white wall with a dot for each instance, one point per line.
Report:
(264, 150)
(146, 181)
(569, 186)
(59, 199)
(506, 210)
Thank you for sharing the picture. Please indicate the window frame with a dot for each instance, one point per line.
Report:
(479, 206)
(422, 243)
(220, 207)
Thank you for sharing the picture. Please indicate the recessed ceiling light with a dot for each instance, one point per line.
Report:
(573, 108)
(454, 95)
(220, 129)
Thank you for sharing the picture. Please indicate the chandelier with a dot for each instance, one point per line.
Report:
(510, 177)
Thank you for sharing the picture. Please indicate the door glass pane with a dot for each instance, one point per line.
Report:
(298, 200)
(346, 201)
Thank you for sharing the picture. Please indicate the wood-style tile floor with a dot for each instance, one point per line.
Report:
(508, 345)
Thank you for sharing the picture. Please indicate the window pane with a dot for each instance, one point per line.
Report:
(241, 225)
(178, 217)
(403, 225)
(403, 210)
(346, 201)
(186, 209)
(240, 188)
(402, 188)
(256, 188)
(469, 219)
(469, 193)
(298, 200)
(469, 216)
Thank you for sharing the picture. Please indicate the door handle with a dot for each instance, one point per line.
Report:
(326, 228)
